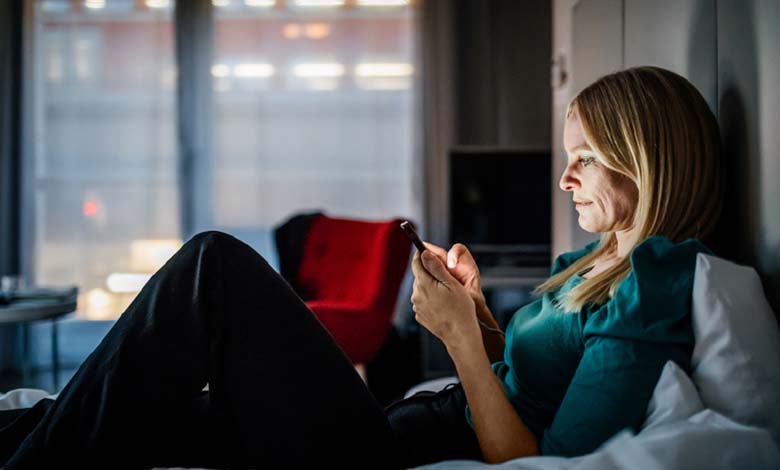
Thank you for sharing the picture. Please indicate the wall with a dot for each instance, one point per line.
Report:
(749, 114)
(728, 49)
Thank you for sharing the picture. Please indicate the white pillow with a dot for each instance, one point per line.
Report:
(23, 398)
(674, 399)
(736, 358)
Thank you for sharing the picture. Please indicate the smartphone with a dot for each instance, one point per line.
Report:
(407, 227)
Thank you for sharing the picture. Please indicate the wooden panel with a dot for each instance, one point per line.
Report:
(678, 35)
(749, 115)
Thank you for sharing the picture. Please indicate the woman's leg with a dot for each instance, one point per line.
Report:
(16, 424)
(216, 313)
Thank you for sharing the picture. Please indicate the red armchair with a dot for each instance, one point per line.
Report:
(349, 273)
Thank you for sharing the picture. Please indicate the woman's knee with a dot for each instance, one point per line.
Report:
(229, 246)
(221, 239)
(210, 237)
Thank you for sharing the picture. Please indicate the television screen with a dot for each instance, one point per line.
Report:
(500, 200)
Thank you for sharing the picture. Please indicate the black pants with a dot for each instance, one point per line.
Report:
(281, 393)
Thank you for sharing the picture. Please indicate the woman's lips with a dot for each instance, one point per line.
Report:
(582, 204)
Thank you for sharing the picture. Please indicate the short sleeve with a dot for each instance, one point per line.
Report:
(626, 344)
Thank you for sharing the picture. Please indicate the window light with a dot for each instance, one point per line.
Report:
(382, 3)
(319, 3)
(253, 70)
(384, 69)
(95, 4)
(260, 3)
(158, 3)
(148, 255)
(317, 30)
(126, 283)
(319, 70)
(220, 70)
(292, 31)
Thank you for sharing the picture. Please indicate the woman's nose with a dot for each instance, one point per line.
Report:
(568, 181)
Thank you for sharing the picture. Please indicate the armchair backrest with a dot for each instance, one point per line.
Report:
(359, 262)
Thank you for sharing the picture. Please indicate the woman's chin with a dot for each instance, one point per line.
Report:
(588, 226)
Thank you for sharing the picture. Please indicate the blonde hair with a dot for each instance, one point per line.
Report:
(654, 127)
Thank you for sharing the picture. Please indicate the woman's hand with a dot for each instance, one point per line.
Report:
(442, 304)
(462, 267)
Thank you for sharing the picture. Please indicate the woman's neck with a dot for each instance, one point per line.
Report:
(625, 240)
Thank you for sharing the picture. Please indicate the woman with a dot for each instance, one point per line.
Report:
(579, 364)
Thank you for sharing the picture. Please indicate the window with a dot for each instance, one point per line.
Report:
(103, 174)
(313, 109)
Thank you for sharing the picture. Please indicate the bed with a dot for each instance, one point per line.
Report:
(725, 415)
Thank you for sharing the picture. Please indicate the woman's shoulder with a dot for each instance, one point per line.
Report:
(660, 252)
(660, 268)
(653, 301)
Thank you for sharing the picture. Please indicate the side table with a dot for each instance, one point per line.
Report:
(24, 311)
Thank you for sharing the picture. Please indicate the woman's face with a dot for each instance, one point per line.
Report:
(605, 199)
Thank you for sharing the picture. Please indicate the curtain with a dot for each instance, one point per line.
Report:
(10, 126)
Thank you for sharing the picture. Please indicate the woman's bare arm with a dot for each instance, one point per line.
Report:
(446, 308)
(501, 433)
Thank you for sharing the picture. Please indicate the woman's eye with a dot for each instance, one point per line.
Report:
(585, 161)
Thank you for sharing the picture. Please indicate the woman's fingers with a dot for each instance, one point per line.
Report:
(436, 268)
(459, 252)
(417, 266)
(436, 250)
(421, 273)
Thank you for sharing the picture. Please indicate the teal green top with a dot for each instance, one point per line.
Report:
(576, 379)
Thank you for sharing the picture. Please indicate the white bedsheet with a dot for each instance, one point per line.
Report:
(23, 398)
(706, 440)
